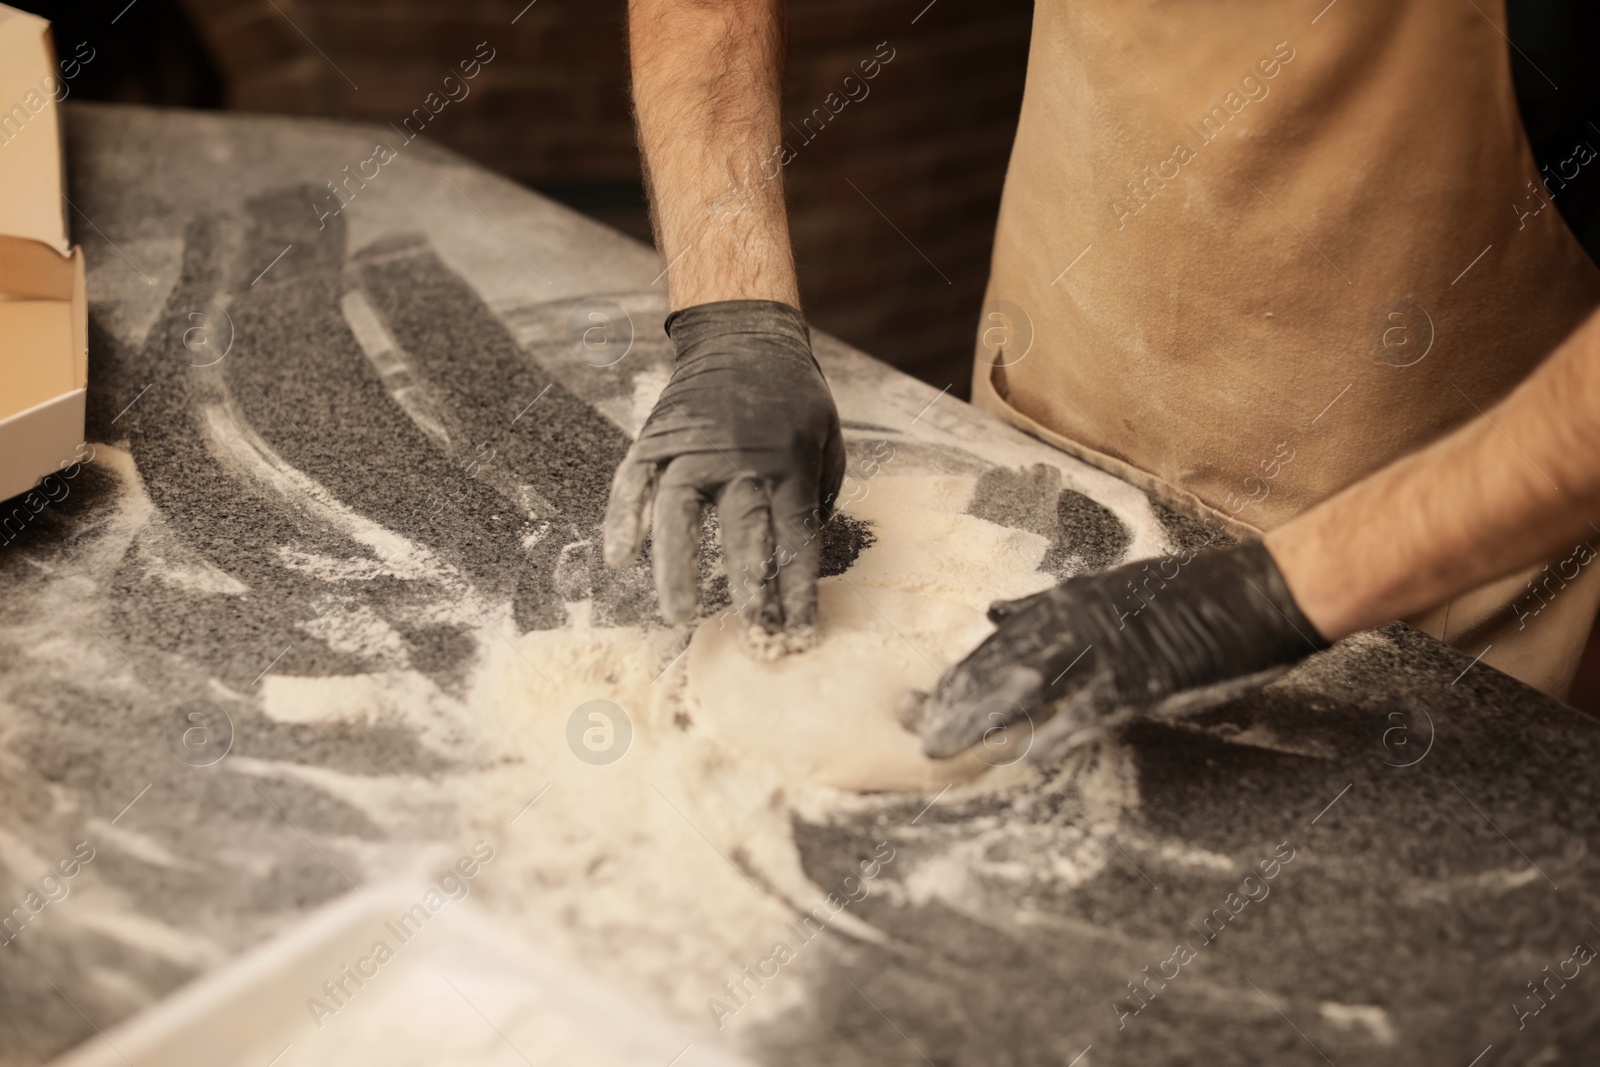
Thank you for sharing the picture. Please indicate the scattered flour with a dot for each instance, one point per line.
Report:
(926, 544)
(664, 872)
(831, 714)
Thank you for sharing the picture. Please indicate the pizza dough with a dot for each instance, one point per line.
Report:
(831, 715)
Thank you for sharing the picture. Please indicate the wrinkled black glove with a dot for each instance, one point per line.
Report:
(747, 423)
(1118, 644)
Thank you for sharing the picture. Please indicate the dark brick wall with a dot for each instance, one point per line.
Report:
(927, 146)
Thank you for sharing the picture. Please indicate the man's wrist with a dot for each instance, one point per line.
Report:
(1329, 602)
(745, 256)
(692, 292)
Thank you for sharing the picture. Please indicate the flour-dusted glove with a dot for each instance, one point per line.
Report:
(747, 423)
(1113, 645)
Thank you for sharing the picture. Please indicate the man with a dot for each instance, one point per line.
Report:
(1321, 244)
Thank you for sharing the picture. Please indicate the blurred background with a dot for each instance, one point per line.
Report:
(927, 146)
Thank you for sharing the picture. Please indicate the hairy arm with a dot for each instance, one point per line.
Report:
(1500, 493)
(706, 85)
(747, 421)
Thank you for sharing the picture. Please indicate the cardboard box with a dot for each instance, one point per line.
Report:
(44, 335)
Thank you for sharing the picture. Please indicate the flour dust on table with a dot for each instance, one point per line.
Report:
(836, 714)
(368, 535)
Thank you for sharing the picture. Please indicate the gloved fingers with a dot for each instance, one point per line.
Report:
(675, 540)
(1031, 660)
(799, 516)
(745, 517)
(834, 463)
(1078, 719)
(1001, 610)
(981, 695)
(628, 509)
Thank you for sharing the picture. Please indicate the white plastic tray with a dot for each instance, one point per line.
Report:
(458, 992)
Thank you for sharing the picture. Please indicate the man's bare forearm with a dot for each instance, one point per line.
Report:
(1504, 491)
(707, 76)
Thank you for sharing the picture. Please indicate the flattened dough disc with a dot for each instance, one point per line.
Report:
(831, 715)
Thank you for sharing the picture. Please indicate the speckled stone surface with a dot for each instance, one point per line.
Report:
(363, 450)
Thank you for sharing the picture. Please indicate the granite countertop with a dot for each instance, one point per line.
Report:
(324, 596)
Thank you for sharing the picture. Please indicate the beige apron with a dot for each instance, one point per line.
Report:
(1251, 252)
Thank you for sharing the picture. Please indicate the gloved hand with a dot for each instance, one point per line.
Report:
(1113, 645)
(746, 422)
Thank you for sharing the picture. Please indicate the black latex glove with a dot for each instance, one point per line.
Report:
(1116, 644)
(747, 423)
